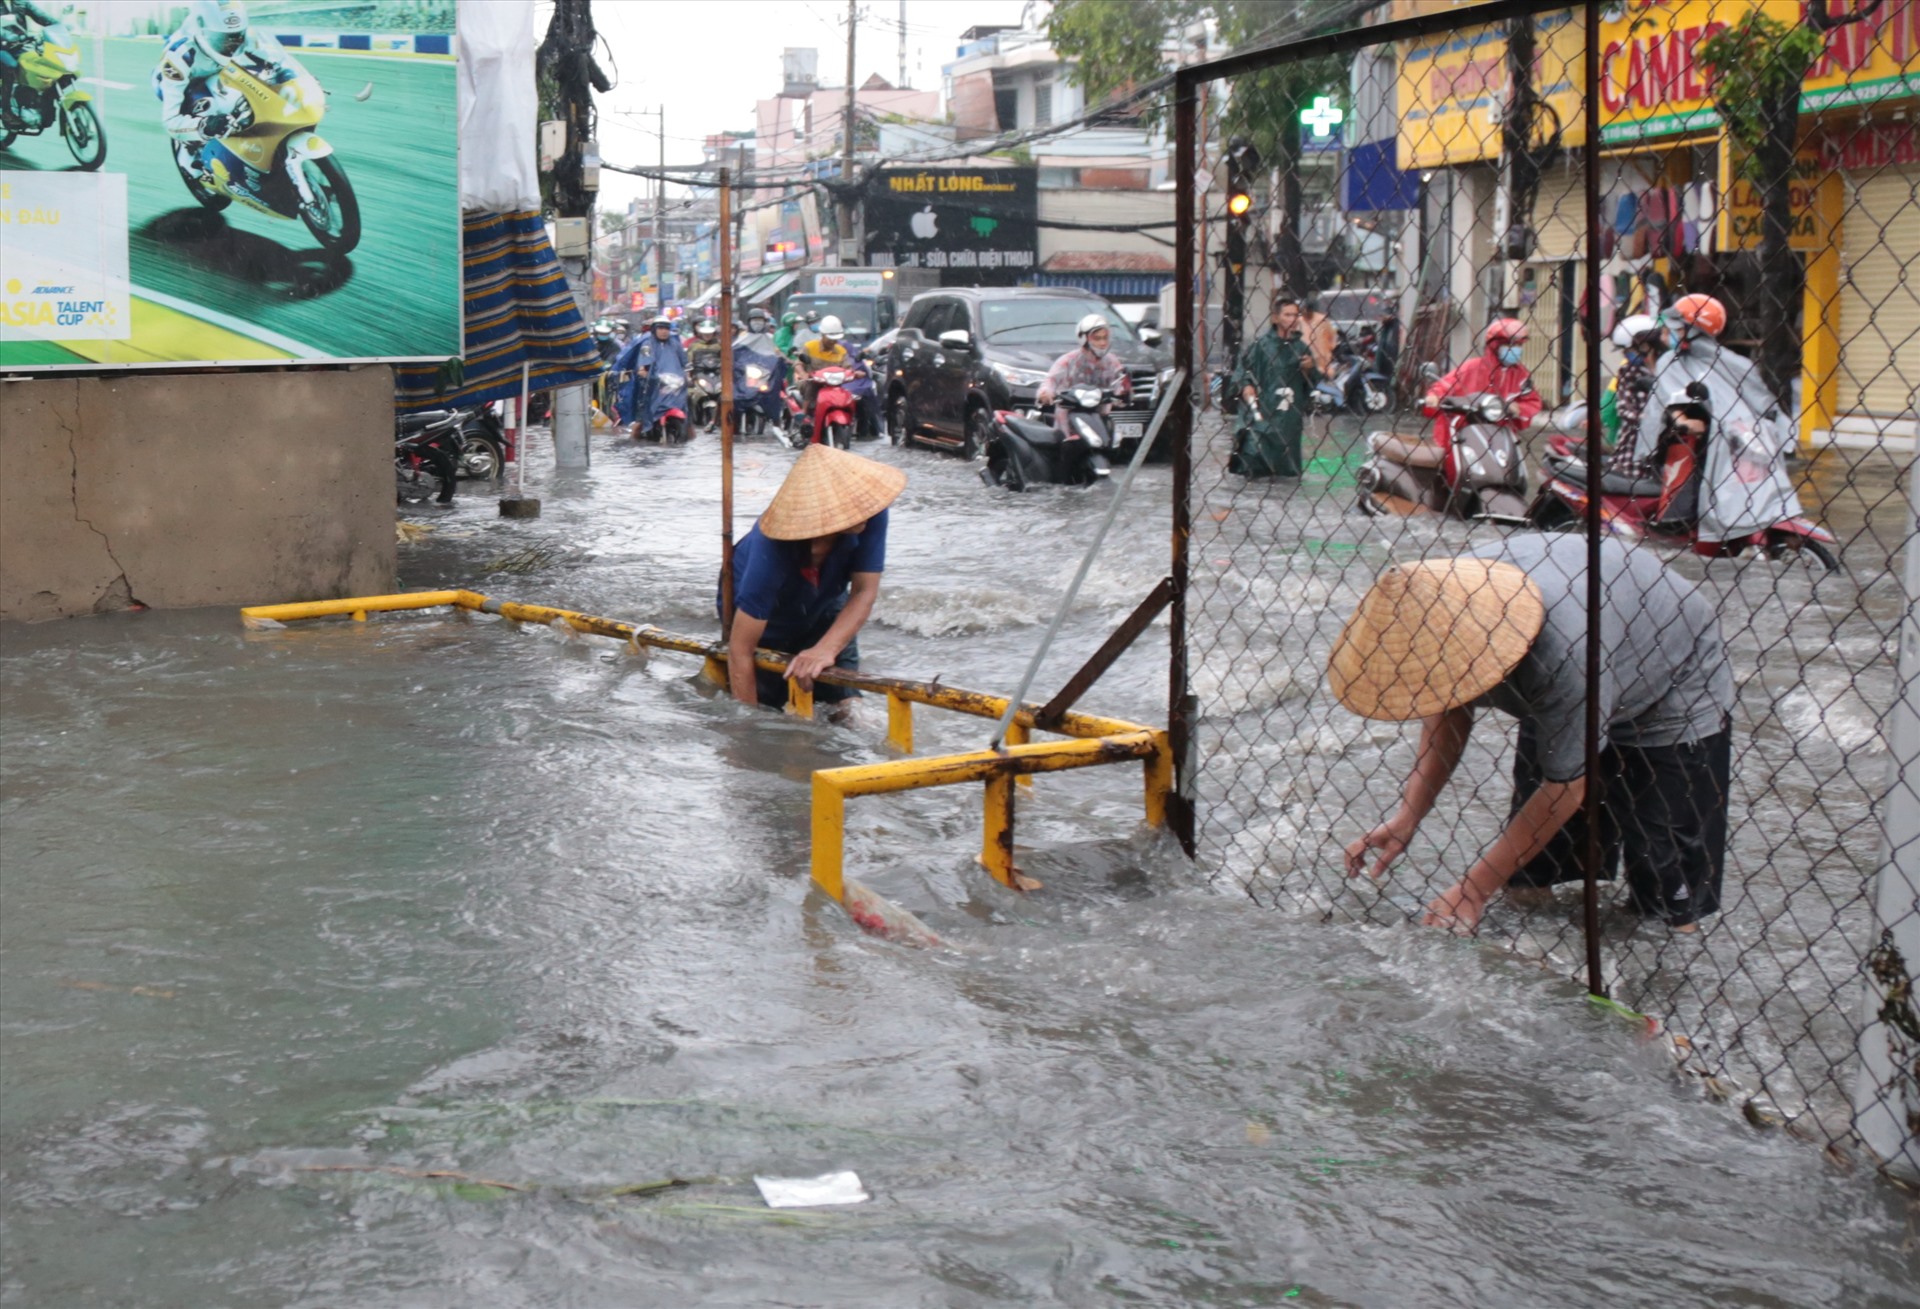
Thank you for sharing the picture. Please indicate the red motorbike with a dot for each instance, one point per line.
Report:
(833, 407)
(1667, 507)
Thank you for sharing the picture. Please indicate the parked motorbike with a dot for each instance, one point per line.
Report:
(1027, 450)
(46, 94)
(273, 160)
(482, 438)
(704, 391)
(1669, 507)
(426, 456)
(834, 407)
(1354, 384)
(1478, 474)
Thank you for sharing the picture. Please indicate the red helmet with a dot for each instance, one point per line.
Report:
(1504, 330)
(1702, 313)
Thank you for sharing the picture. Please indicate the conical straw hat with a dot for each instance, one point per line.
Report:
(1433, 636)
(829, 491)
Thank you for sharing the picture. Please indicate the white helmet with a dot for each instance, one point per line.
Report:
(221, 26)
(831, 328)
(1632, 328)
(1092, 323)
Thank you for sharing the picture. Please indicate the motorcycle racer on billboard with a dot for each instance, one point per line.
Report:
(242, 115)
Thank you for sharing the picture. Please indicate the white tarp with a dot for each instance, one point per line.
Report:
(499, 109)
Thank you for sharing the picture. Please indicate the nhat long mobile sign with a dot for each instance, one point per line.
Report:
(234, 184)
(975, 224)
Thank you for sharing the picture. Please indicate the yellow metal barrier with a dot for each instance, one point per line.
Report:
(1093, 740)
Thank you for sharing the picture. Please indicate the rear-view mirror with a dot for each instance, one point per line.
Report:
(958, 339)
(1429, 372)
(1150, 336)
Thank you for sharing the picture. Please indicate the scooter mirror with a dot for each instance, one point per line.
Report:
(1150, 336)
(958, 339)
(1429, 372)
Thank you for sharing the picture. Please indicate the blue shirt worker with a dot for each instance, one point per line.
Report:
(805, 577)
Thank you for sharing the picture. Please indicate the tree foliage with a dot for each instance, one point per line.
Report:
(1751, 67)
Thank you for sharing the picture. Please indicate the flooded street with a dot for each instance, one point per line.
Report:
(395, 964)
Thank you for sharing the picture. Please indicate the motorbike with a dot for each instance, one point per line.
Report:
(1480, 474)
(1354, 384)
(272, 160)
(834, 406)
(1026, 450)
(427, 452)
(1668, 507)
(482, 455)
(45, 93)
(665, 406)
(704, 391)
(759, 398)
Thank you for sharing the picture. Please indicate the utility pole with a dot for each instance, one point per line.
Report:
(660, 221)
(848, 237)
(903, 45)
(566, 57)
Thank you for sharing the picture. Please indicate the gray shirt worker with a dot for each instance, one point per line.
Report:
(1666, 693)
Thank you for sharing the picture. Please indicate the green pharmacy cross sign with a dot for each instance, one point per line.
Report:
(1322, 116)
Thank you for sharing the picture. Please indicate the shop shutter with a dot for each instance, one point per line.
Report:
(1880, 295)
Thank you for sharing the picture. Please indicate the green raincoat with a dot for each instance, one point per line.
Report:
(1270, 446)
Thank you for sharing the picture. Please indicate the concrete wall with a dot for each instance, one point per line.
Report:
(194, 489)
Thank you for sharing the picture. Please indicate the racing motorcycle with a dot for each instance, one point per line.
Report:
(1024, 451)
(1478, 473)
(1697, 475)
(46, 93)
(272, 159)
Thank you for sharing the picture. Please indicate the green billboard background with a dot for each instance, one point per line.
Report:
(245, 287)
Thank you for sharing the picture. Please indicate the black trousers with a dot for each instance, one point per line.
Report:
(1663, 814)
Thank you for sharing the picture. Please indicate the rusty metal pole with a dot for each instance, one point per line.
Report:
(726, 405)
(1186, 135)
(1596, 784)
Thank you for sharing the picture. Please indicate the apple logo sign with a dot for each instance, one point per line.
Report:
(924, 224)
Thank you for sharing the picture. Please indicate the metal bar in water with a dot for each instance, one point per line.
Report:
(1186, 178)
(1596, 785)
(1116, 645)
(1167, 396)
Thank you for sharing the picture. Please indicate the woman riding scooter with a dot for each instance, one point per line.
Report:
(1495, 372)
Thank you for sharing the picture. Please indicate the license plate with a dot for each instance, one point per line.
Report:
(1129, 431)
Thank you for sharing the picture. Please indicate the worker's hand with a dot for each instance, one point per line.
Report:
(1249, 393)
(1389, 840)
(809, 664)
(1457, 909)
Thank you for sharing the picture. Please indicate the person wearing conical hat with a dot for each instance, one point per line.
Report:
(1507, 630)
(806, 575)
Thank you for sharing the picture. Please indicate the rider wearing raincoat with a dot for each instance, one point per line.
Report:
(1273, 388)
(654, 351)
(1743, 482)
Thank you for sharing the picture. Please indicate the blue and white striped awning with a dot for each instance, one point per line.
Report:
(1114, 286)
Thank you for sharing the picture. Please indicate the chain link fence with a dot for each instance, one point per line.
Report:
(1473, 206)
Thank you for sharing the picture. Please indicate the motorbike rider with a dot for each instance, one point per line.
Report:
(1641, 338)
(15, 37)
(1497, 370)
(655, 348)
(194, 109)
(829, 350)
(756, 337)
(704, 350)
(1093, 363)
(1692, 327)
(783, 339)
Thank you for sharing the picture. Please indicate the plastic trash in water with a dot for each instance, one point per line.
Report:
(811, 1192)
(883, 918)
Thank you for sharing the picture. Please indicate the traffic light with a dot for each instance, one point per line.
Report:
(1243, 163)
(1243, 166)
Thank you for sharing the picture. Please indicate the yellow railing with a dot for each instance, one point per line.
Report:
(1092, 740)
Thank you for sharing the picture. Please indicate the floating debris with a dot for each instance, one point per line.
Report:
(811, 1192)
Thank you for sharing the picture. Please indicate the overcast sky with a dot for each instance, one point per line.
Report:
(709, 60)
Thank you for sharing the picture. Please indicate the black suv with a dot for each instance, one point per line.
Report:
(962, 353)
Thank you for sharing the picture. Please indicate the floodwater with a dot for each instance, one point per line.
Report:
(394, 964)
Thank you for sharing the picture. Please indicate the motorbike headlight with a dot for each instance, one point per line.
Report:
(1095, 441)
(1018, 376)
(1493, 408)
(755, 373)
(672, 381)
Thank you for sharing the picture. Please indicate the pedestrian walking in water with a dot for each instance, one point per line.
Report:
(1273, 386)
(806, 575)
(1507, 629)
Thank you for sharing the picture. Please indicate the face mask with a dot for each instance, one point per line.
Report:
(1509, 355)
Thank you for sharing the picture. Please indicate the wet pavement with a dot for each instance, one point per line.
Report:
(314, 938)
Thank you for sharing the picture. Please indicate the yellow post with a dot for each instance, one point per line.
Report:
(715, 671)
(829, 837)
(1018, 733)
(996, 834)
(1159, 770)
(899, 723)
(798, 701)
(1820, 316)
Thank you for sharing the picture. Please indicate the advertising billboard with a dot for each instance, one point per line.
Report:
(977, 225)
(246, 184)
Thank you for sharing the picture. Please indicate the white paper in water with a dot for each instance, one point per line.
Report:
(807, 1192)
